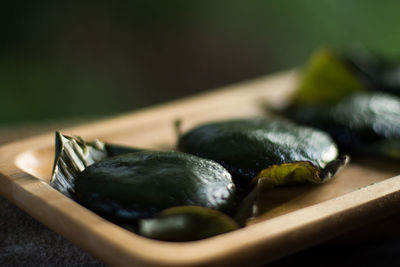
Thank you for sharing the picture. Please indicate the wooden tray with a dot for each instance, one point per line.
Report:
(303, 216)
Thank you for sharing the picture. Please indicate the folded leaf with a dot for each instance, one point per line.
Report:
(284, 174)
(186, 223)
(72, 156)
(288, 174)
(326, 79)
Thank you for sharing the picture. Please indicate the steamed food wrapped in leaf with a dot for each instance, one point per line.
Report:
(360, 123)
(335, 98)
(252, 148)
(169, 196)
(73, 155)
(141, 184)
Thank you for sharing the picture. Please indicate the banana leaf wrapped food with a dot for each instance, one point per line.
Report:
(362, 123)
(278, 150)
(141, 184)
(134, 189)
(333, 96)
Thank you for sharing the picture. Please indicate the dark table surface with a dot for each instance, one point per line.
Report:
(26, 242)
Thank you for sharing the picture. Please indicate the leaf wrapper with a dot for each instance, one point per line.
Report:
(186, 223)
(285, 174)
(325, 80)
(72, 156)
(340, 94)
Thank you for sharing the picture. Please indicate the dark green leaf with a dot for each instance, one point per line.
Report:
(247, 146)
(361, 123)
(284, 174)
(142, 184)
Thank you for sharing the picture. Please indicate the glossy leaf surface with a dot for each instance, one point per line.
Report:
(285, 174)
(142, 184)
(247, 146)
(361, 123)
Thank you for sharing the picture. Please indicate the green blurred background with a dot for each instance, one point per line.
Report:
(63, 60)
